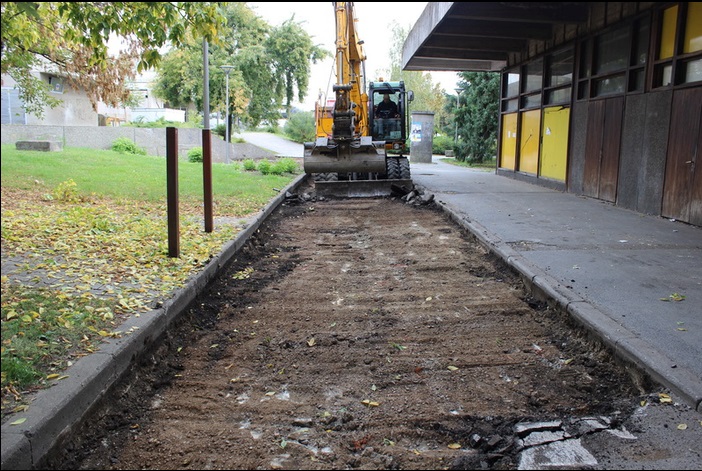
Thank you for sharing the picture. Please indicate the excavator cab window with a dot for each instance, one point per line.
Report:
(387, 115)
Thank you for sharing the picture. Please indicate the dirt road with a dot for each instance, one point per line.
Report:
(361, 334)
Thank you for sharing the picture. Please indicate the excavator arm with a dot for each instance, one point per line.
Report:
(351, 101)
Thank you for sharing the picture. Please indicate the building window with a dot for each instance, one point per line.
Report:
(534, 72)
(532, 82)
(559, 76)
(614, 62)
(55, 84)
(510, 91)
(678, 49)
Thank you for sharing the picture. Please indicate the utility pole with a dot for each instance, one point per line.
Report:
(227, 69)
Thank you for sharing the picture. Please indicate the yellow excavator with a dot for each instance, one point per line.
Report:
(360, 147)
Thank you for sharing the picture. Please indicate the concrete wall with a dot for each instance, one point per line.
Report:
(576, 161)
(642, 156)
(643, 152)
(151, 139)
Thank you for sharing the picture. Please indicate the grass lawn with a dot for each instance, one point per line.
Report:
(85, 245)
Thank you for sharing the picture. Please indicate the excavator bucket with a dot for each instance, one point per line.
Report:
(362, 156)
(362, 188)
(354, 169)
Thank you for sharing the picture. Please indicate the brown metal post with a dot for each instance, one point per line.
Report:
(207, 177)
(172, 192)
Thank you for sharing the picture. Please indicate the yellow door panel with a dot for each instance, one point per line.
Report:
(508, 147)
(529, 141)
(554, 143)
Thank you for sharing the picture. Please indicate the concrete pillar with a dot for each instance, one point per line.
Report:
(421, 136)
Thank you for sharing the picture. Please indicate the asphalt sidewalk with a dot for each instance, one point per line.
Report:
(635, 280)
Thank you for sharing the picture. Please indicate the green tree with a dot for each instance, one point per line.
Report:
(70, 39)
(477, 116)
(292, 50)
(300, 126)
(428, 96)
(271, 67)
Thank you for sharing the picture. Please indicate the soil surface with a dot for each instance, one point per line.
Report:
(357, 334)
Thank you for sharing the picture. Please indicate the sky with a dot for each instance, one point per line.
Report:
(374, 27)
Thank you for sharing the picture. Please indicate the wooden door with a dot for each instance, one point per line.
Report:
(682, 190)
(602, 147)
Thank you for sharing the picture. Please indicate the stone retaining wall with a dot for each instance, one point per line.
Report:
(151, 139)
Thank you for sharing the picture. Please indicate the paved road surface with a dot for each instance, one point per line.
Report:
(281, 147)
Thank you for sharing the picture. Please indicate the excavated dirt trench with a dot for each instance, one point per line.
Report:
(355, 334)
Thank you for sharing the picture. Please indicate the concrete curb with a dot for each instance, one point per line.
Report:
(626, 346)
(56, 412)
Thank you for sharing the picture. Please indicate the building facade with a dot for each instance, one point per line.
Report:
(602, 100)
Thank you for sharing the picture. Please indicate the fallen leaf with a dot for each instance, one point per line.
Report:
(454, 446)
(682, 426)
(19, 421)
(311, 342)
(664, 398)
(452, 368)
(52, 376)
(674, 297)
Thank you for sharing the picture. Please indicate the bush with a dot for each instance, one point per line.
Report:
(195, 154)
(300, 127)
(249, 165)
(124, 145)
(220, 130)
(285, 165)
(67, 192)
(264, 166)
(440, 143)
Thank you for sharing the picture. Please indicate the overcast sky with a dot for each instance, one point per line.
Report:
(374, 27)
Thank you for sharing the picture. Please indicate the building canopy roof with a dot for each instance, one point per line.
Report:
(479, 36)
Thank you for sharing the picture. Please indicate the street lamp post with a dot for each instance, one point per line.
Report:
(227, 69)
(455, 137)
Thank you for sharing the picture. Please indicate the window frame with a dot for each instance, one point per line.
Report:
(637, 32)
(679, 59)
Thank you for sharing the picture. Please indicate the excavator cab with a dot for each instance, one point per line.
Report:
(388, 112)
